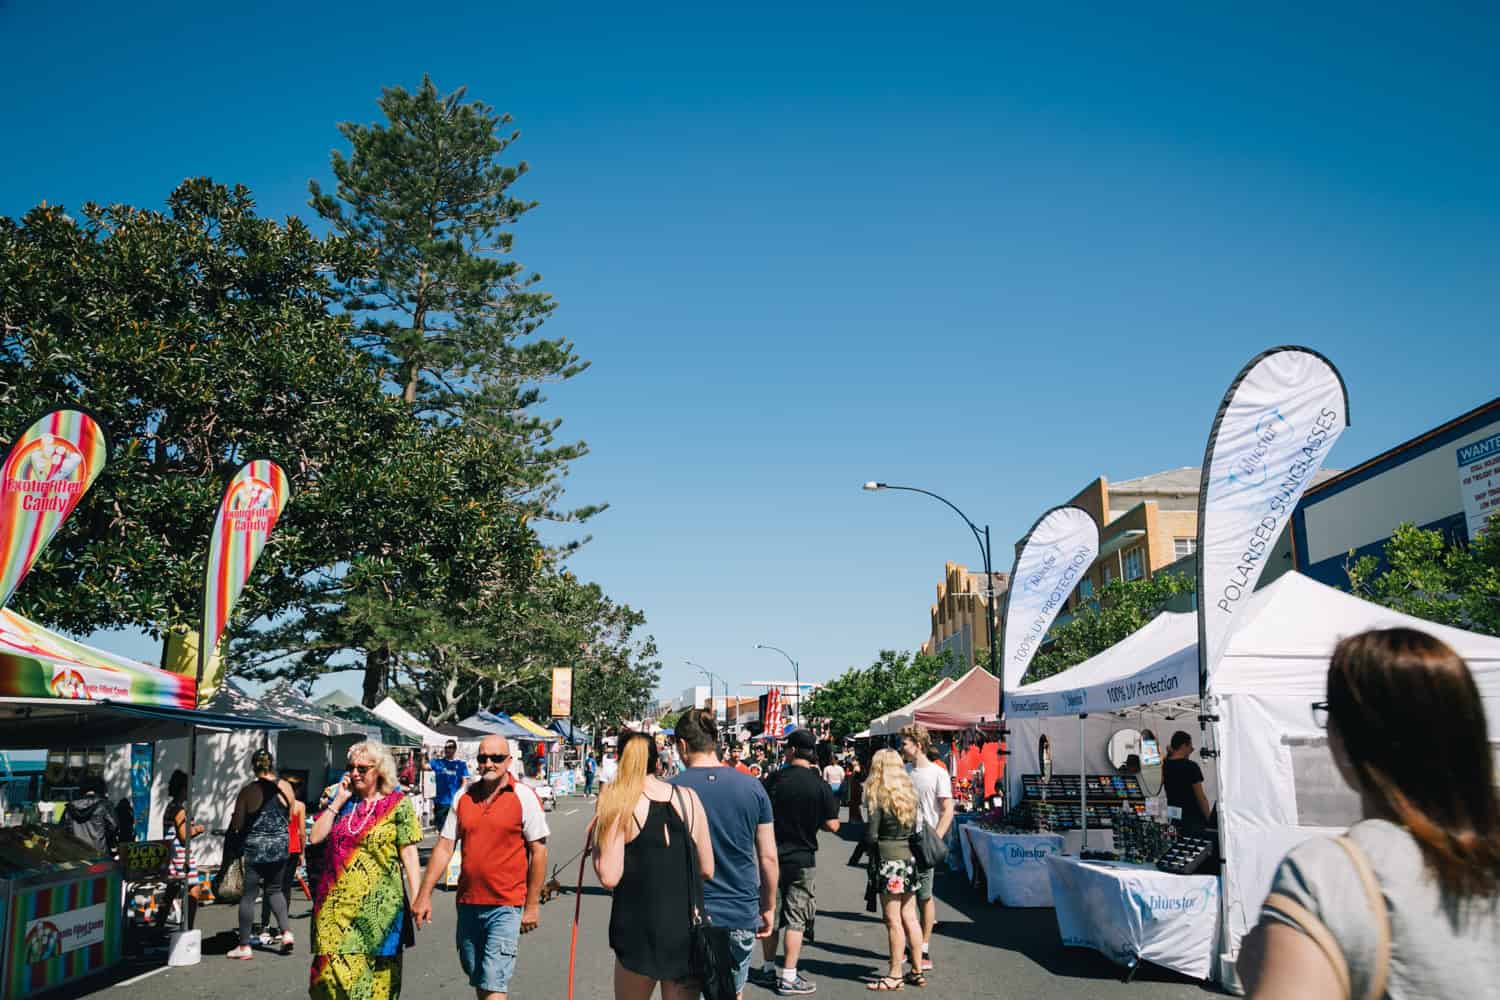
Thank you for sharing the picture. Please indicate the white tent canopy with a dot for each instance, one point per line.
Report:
(893, 722)
(1279, 784)
(392, 712)
(1158, 662)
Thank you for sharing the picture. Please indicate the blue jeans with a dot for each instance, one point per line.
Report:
(741, 952)
(487, 938)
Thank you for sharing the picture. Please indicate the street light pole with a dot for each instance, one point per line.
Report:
(983, 538)
(711, 678)
(796, 676)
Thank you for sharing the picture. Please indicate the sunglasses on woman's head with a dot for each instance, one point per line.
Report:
(498, 758)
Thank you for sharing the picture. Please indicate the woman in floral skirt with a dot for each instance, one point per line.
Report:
(890, 803)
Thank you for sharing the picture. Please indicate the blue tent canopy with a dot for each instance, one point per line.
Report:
(499, 724)
(579, 736)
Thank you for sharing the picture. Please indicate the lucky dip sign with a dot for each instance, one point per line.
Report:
(46, 473)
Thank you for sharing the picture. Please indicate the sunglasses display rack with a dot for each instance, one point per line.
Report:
(1187, 856)
(1108, 794)
(1140, 840)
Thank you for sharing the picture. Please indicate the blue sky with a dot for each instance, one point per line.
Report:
(990, 252)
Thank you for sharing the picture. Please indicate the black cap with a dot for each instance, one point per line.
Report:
(801, 739)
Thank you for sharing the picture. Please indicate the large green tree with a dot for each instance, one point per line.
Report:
(201, 336)
(860, 694)
(1424, 574)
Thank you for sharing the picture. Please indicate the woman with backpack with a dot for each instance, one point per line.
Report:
(261, 825)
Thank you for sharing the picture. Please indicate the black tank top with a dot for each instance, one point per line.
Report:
(648, 923)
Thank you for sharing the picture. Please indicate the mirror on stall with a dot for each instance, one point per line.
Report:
(1125, 751)
(1150, 764)
(1044, 762)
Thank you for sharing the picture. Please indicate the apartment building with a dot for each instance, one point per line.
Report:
(958, 619)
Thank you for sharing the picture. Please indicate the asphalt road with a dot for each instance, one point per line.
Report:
(979, 950)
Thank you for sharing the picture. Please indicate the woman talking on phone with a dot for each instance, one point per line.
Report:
(359, 909)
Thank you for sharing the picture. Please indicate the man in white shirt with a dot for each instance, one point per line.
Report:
(935, 805)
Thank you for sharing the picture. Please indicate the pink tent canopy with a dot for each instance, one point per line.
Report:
(973, 697)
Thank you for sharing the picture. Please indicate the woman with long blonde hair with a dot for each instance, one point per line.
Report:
(890, 801)
(648, 839)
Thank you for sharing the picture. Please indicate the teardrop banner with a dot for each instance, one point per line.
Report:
(1275, 426)
(252, 504)
(47, 472)
(1050, 562)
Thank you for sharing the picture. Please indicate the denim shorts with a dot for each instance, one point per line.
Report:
(487, 945)
(741, 952)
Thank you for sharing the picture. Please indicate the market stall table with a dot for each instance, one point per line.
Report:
(1134, 913)
(1014, 864)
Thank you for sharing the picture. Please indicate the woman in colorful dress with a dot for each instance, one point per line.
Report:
(890, 802)
(360, 909)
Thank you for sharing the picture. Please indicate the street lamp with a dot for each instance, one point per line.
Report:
(711, 678)
(983, 538)
(796, 676)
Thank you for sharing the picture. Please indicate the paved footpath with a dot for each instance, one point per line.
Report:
(980, 950)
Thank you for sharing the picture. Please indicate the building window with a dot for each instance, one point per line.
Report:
(1085, 589)
(1184, 546)
(1108, 574)
(1135, 564)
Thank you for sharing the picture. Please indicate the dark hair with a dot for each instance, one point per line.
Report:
(1180, 739)
(698, 728)
(177, 785)
(1406, 709)
(261, 760)
(935, 755)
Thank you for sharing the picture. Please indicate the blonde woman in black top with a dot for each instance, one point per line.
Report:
(890, 802)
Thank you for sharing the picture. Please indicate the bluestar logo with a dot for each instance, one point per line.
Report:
(1016, 855)
(1249, 468)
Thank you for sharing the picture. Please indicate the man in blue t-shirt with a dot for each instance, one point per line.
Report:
(740, 895)
(449, 774)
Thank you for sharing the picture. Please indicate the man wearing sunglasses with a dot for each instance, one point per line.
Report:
(504, 833)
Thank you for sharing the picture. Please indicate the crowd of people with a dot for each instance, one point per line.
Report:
(1409, 900)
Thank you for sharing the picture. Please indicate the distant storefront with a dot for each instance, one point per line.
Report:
(1447, 480)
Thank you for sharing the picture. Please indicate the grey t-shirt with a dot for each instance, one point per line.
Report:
(1437, 949)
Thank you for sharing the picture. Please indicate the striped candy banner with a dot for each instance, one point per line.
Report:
(48, 470)
(62, 932)
(256, 496)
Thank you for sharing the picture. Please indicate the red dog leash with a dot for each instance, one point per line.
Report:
(588, 843)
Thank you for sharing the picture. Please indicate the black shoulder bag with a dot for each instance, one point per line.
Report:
(710, 959)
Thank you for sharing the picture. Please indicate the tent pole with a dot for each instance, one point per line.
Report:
(187, 848)
(1083, 787)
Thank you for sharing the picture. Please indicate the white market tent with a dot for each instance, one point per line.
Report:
(893, 722)
(391, 711)
(1279, 784)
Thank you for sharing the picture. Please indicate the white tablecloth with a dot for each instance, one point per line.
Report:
(1014, 864)
(1134, 913)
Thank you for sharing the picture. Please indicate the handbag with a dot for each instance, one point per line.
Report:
(408, 924)
(230, 886)
(927, 847)
(709, 954)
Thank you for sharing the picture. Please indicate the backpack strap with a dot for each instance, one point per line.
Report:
(1375, 899)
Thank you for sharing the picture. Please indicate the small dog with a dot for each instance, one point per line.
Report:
(552, 888)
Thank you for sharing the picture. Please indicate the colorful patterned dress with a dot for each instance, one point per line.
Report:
(359, 906)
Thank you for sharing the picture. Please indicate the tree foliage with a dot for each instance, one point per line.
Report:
(860, 694)
(1120, 608)
(394, 368)
(1424, 574)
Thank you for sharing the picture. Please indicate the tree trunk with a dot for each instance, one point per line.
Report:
(377, 668)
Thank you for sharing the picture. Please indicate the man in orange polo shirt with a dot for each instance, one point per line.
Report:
(504, 832)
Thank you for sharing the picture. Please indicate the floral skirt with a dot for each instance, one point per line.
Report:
(895, 878)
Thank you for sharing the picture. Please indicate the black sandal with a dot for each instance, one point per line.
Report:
(915, 978)
(885, 984)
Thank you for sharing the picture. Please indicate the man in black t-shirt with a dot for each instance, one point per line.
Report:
(1183, 780)
(801, 805)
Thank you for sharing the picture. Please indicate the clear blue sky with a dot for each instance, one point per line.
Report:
(994, 253)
